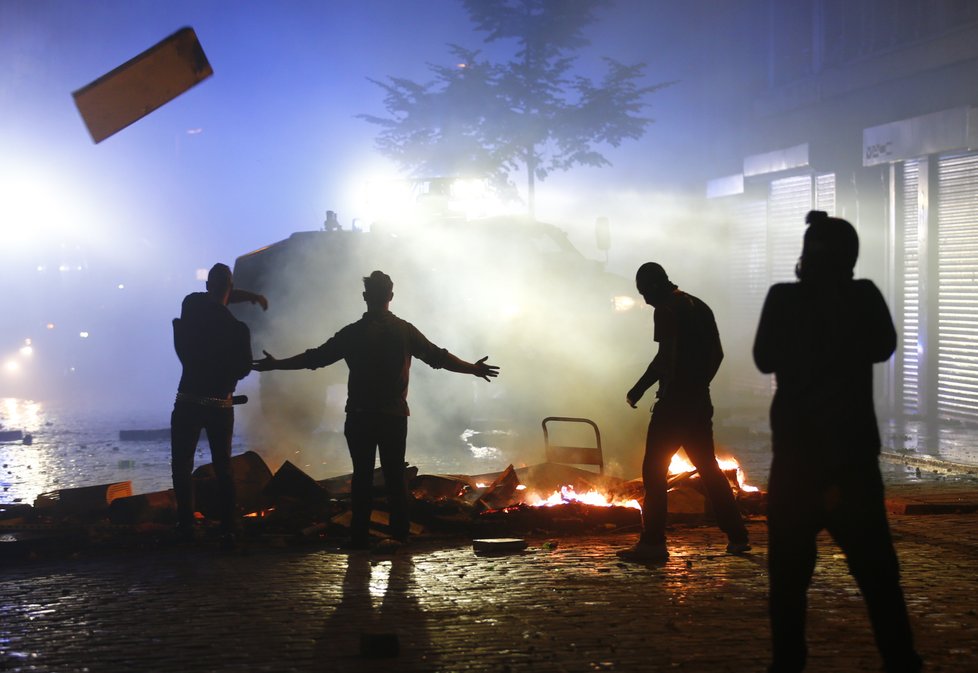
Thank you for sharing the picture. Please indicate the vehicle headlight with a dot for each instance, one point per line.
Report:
(623, 303)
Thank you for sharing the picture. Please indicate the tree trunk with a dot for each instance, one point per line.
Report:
(531, 165)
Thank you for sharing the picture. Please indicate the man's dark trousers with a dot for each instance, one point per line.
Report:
(848, 502)
(186, 422)
(687, 423)
(368, 433)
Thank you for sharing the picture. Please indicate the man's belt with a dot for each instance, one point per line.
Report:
(219, 402)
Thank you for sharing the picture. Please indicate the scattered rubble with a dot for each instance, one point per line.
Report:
(289, 507)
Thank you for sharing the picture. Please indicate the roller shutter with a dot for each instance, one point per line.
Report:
(825, 193)
(748, 285)
(790, 199)
(909, 355)
(957, 375)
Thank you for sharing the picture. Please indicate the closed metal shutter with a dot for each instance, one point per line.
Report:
(957, 370)
(825, 193)
(790, 200)
(748, 285)
(909, 355)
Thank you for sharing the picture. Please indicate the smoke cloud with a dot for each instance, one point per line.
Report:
(513, 290)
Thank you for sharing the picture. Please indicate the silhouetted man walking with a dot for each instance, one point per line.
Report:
(820, 337)
(688, 358)
(378, 349)
(215, 351)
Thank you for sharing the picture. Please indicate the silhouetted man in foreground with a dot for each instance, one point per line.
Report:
(378, 349)
(820, 337)
(215, 351)
(688, 358)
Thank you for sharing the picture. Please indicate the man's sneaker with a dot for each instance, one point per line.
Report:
(738, 548)
(643, 552)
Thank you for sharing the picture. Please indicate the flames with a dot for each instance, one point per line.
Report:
(568, 494)
(679, 465)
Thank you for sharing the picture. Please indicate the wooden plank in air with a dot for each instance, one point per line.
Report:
(142, 84)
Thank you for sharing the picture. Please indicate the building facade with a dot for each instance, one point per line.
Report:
(869, 110)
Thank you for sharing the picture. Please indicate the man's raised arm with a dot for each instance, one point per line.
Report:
(238, 295)
(480, 368)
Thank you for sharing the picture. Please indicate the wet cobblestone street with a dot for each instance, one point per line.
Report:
(565, 604)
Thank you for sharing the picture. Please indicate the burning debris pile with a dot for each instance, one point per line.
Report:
(551, 497)
(290, 507)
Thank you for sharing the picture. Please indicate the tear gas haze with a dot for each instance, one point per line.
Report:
(776, 109)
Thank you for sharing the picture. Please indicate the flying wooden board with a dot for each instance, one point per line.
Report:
(142, 84)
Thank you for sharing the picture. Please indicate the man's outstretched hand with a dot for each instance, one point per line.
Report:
(483, 369)
(265, 364)
(238, 295)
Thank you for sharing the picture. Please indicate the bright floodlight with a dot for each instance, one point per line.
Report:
(472, 198)
(464, 190)
(31, 210)
(27, 351)
(389, 199)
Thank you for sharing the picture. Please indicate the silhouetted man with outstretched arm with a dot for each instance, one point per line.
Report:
(820, 337)
(378, 349)
(215, 351)
(688, 358)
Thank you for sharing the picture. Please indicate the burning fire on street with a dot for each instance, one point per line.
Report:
(680, 470)
(592, 497)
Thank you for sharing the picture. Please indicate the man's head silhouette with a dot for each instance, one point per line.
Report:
(830, 249)
(219, 282)
(653, 283)
(378, 289)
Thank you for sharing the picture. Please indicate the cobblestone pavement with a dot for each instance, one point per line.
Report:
(564, 604)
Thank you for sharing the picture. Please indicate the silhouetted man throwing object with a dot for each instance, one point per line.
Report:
(215, 351)
(688, 358)
(820, 337)
(378, 349)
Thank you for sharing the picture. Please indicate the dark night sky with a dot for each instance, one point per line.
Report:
(265, 146)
